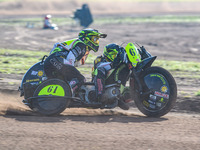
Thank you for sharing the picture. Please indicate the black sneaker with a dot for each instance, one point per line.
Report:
(123, 105)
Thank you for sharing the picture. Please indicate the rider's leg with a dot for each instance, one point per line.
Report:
(55, 69)
(51, 67)
(99, 81)
(73, 76)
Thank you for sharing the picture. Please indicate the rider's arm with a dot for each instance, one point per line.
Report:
(79, 50)
(54, 46)
(75, 54)
(106, 65)
(70, 59)
(84, 57)
(121, 57)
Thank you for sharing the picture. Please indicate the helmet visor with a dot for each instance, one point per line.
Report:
(95, 39)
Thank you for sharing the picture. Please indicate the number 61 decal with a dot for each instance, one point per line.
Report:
(55, 90)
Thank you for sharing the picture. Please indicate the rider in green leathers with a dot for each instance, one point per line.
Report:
(113, 55)
(60, 63)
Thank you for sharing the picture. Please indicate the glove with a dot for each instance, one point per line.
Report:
(121, 57)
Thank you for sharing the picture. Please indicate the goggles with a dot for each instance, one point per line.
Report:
(95, 39)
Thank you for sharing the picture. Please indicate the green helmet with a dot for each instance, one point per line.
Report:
(91, 38)
(111, 51)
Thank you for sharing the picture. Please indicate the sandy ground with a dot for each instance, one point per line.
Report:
(82, 129)
(86, 129)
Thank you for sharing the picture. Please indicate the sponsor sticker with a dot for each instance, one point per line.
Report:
(37, 73)
(32, 80)
(34, 73)
(152, 97)
(151, 102)
(146, 103)
(162, 100)
(161, 94)
(159, 76)
(164, 89)
(40, 73)
(34, 83)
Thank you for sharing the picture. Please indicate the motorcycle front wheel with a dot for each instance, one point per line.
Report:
(159, 92)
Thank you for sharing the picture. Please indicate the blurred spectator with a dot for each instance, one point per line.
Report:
(83, 16)
(48, 23)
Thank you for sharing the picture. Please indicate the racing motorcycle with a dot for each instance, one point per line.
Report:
(152, 88)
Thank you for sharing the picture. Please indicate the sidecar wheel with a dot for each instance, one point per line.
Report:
(51, 97)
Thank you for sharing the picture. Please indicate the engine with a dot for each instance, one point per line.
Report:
(112, 92)
(88, 93)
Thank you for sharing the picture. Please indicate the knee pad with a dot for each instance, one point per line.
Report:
(101, 73)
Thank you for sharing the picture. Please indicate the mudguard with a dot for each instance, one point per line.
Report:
(147, 62)
(31, 79)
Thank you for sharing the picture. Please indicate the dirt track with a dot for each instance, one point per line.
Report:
(82, 129)
(100, 132)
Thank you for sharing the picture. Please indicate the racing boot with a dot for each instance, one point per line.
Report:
(123, 105)
(75, 85)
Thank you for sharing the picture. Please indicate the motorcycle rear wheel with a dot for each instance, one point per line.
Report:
(163, 96)
(51, 97)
